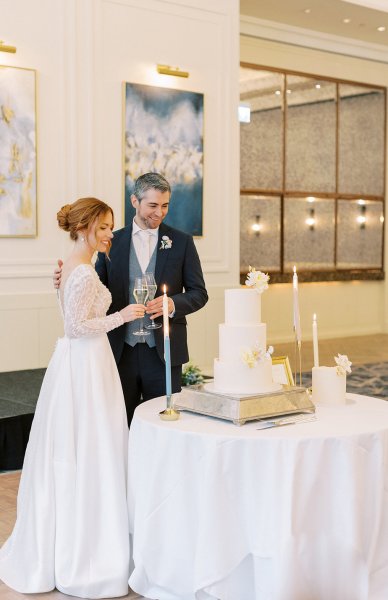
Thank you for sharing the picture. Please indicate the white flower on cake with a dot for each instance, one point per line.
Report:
(343, 364)
(254, 355)
(257, 280)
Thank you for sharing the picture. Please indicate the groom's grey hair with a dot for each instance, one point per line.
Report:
(149, 181)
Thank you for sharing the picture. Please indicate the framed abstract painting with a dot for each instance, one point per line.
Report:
(163, 132)
(18, 189)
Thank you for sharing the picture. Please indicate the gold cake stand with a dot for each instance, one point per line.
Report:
(242, 408)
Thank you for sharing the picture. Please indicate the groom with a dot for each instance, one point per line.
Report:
(147, 244)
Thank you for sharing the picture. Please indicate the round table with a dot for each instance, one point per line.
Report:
(235, 513)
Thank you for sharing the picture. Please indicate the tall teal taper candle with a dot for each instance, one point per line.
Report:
(167, 355)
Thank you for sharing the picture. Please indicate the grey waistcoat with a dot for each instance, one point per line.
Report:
(135, 271)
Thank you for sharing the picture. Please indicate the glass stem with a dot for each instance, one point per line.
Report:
(141, 324)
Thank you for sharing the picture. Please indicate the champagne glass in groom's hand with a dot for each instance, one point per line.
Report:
(140, 292)
(152, 287)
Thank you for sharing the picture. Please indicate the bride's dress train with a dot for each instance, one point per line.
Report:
(72, 522)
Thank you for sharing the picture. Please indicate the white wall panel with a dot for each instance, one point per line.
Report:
(83, 50)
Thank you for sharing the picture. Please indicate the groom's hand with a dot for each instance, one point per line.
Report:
(58, 274)
(155, 307)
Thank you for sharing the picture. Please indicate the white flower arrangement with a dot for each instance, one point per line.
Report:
(165, 243)
(257, 280)
(343, 364)
(252, 356)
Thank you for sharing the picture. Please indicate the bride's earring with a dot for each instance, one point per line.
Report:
(82, 238)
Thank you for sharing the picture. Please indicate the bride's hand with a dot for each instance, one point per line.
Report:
(58, 274)
(132, 312)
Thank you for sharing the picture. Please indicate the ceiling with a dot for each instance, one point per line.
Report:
(326, 16)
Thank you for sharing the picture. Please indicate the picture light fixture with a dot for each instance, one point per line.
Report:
(175, 71)
(5, 48)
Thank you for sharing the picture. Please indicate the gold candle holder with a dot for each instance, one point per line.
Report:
(169, 413)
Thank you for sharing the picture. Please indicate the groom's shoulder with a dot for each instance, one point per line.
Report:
(118, 234)
(177, 234)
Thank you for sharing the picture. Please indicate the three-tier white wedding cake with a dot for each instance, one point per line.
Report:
(244, 365)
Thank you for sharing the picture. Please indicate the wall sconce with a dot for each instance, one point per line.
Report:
(361, 219)
(244, 114)
(310, 221)
(257, 226)
(174, 71)
(5, 48)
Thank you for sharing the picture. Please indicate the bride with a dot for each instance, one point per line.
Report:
(71, 530)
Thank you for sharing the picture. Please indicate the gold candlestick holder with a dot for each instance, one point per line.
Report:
(169, 413)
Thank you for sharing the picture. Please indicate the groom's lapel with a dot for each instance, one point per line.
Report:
(122, 259)
(162, 255)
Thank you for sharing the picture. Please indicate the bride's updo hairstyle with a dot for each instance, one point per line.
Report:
(81, 215)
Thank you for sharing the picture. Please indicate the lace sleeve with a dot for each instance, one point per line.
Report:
(81, 298)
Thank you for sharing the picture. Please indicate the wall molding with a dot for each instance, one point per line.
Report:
(27, 268)
(307, 38)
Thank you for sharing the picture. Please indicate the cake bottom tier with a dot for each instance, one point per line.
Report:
(238, 378)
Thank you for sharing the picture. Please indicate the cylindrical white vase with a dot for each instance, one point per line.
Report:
(327, 386)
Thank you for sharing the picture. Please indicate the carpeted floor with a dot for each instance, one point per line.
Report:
(19, 391)
(368, 380)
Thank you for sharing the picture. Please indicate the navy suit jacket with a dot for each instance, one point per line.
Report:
(178, 267)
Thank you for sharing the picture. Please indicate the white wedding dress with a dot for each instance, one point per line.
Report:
(72, 521)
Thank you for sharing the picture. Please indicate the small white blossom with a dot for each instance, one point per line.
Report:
(257, 280)
(166, 243)
(343, 364)
(253, 355)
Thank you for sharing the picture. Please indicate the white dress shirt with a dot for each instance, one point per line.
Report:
(144, 241)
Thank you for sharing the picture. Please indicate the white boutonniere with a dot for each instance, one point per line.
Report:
(257, 280)
(165, 243)
(343, 364)
(252, 356)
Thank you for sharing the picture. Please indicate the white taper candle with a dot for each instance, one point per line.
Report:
(297, 328)
(315, 341)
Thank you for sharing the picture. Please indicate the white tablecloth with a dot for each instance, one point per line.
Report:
(233, 513)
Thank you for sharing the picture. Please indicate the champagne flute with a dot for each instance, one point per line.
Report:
(152, 287)
(140, 292)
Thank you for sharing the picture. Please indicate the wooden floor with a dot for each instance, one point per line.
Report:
(365, 349)
(9, 483)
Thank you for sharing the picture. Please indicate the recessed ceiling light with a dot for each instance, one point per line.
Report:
(382, 28)
(318, 86)
(307, 11)
(346, 20)
(277, 92)
(288, 91)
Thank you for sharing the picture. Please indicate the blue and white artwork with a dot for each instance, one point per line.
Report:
(164, 134)
(17, 152)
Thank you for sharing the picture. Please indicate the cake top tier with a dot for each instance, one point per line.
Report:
(242, 307)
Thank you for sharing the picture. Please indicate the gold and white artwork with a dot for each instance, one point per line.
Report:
(17, 152)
